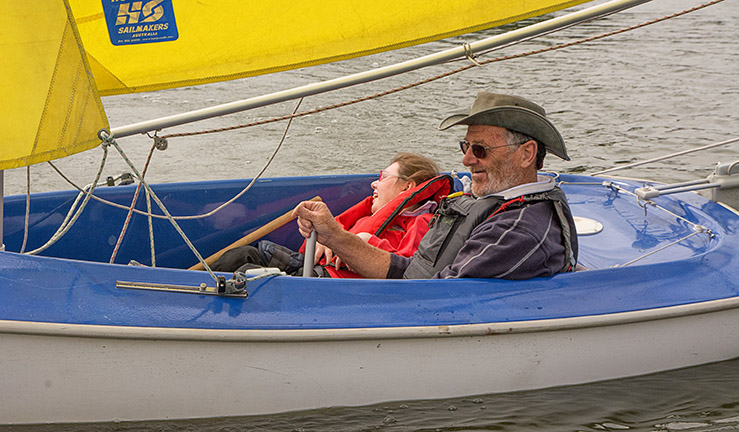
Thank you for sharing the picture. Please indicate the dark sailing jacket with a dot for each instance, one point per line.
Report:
(528, 236)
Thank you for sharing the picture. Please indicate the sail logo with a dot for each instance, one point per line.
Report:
(138, 11)
(133, 22)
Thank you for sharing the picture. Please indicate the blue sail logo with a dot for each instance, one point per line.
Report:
(132, 13)
(138, 22)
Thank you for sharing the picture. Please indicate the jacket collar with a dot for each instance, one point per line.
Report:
(543, 184)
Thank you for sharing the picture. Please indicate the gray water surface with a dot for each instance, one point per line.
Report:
(649, 92)
(668, 87)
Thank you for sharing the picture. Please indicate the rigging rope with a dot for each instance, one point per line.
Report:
(110, 140)
(669, 156)
(203, 215)
(67, 224)
(370, 97)
(28, 208)
(658, 250)
(130, 210)
(476, 63)
(151, 230)
(697, 228)
(69, 221)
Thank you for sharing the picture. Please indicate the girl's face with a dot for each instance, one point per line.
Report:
(388, 186)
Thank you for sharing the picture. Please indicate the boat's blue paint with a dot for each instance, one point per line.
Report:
(72, 290)
(87, 240)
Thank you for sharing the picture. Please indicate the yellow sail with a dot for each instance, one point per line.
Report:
(50, 107)
(144, 45)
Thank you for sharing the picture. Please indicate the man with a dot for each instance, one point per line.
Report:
(516, 226)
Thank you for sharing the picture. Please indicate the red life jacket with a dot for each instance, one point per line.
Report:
(388, 223)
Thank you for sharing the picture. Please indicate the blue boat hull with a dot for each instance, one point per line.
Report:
(298, 343)
(71, 285)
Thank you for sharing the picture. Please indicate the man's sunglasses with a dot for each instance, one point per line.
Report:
(480, 151)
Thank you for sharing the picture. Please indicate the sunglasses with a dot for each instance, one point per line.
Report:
(480, 151)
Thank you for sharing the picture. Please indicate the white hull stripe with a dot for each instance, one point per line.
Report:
(366, 333)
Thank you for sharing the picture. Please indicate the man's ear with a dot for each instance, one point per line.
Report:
(410, 185)
(527, 154)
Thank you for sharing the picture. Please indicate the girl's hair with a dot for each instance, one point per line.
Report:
(415, 167)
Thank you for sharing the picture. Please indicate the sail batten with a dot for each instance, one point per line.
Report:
(179, 43)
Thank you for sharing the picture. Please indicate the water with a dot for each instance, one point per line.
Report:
(653, 91)
(657, 90)
(701, 399)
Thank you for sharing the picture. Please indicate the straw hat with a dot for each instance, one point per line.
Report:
(513, 113)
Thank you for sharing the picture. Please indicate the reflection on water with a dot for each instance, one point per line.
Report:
(698, 399)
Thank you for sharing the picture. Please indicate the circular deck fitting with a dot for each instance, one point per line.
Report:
(587, 226)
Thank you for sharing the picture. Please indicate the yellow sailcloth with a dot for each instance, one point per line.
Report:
(50, 107)
(144, 45)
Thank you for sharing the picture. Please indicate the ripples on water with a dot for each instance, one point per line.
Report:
(654, 91)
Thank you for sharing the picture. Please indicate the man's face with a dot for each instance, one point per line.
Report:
(498, 170)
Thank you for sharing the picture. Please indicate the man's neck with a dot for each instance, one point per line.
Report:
(541, 184)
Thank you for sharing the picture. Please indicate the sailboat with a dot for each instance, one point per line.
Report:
(86, 340)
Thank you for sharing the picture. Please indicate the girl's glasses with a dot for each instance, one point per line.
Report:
(384, 175)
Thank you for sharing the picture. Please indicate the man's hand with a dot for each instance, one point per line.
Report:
(366, 260)
(315, 215)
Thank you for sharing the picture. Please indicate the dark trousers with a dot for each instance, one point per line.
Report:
(265, 254)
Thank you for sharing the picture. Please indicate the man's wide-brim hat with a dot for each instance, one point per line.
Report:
(515, 114)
